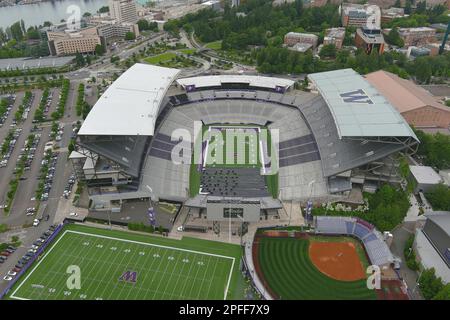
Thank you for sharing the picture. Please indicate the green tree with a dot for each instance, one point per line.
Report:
(79, 60)
(103, 9)
(439, 197)
(430, 285)
(408, 7)
(143, 24)
(130, 36)
(444, 293)
(393, 38)
(99, 50)
(421, 7)
(397, 4)
(423, 70)
(328, 51)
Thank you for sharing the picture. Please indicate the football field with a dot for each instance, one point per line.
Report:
(117, 265)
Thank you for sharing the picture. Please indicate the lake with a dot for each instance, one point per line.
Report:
(53, 11)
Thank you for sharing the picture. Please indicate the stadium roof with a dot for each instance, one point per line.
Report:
(253, 81)
(130, 105)
(358, 109)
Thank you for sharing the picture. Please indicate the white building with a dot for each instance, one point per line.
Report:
(123, 10)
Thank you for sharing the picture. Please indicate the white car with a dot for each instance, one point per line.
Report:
(32, 250)
(30, 213)
(73, 214)
(36, 222)
(7, 278)
(3, 206)
(180, 229)
(11, 273)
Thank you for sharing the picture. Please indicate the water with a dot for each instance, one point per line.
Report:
(53, 11)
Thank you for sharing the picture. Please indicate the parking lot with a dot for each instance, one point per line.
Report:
(54, 181)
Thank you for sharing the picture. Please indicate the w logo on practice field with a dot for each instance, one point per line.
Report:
(357, 96)
(129, 276)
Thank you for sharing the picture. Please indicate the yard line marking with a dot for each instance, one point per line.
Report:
(39, 262)
(151, 244)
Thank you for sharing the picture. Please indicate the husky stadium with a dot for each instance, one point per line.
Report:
(342, 135)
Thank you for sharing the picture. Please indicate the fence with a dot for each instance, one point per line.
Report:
(32, 260)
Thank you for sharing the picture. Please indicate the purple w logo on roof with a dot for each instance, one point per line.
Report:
(357, 96)
(129, 276)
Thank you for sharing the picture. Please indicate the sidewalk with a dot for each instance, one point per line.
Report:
(401, 234)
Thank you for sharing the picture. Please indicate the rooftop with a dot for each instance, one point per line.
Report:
(130, 105)
(424, 174)
(253, 81)
(441, 218)
(403, 94)
(358, 108)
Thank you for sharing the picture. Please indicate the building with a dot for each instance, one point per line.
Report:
(416, 36)
(358, 15)
(369, 40)
(425, 178)
(292, 38)
(334, 36)
(391, 13)
(328, 143)
(416, 105)
(123, 10)
(213, 5)
(111, 30)
(432, 244)
(67, 43)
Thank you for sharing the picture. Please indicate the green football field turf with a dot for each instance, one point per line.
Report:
(289, 272)
(165, 268)
(249, 155)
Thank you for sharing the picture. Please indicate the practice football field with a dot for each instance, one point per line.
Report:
(118, 265)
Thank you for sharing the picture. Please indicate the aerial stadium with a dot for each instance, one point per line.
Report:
(232, 149)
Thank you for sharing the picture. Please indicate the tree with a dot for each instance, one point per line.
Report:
(430, 285)
(79, 60)
(86, 14)
(444, 294)
(328, 51)
(423, 70)
(421, 7)
(16, 31)
(99, 50)
(103, 9)
(408, 7)
(439, 197)
(143, 24)
(397, 4)
(393, 38)
(130, 36)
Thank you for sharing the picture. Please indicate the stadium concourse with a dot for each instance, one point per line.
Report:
(339, 136)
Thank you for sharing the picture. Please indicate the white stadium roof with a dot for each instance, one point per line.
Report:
(131, 104)
(253, 81)
(358, 109)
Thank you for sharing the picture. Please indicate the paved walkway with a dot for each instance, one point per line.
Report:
(401, 234)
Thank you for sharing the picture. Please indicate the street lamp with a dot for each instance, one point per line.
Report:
(151, 211)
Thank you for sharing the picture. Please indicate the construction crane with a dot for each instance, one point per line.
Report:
(442, 47)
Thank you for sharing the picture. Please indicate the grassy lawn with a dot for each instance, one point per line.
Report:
(215, 45)
(194, 175)
(288, 270)
(187, 51)
(163, 57)
(164, 268)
